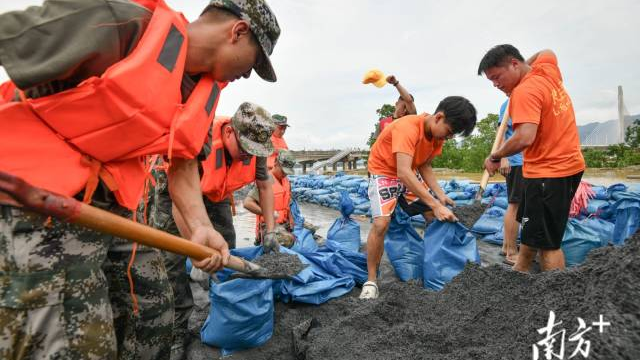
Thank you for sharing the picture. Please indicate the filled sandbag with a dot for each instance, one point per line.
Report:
(404, 247)
(345, 232)
(447, 249)
(578, 241)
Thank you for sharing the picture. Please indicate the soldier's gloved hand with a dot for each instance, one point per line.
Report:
(269, 242)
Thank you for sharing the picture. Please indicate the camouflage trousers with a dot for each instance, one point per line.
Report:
(54, 302)
(147, 334)
(221, 217)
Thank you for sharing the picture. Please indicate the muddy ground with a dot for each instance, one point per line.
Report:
(487, 312)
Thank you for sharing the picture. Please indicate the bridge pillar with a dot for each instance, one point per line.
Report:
(334, 166)
(349, 163)
(304, 168)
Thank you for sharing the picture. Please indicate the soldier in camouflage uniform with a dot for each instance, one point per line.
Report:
(219, 213)
(283, 166)
(55, 300)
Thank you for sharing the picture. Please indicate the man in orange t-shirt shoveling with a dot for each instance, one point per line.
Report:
(406, 147)
(545, 129)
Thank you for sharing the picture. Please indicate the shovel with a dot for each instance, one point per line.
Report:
(496, 144)
(16, 192)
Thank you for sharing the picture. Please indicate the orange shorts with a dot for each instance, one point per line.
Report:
(386, 192)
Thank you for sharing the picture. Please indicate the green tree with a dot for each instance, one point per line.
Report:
(385, 111)
(632, 135)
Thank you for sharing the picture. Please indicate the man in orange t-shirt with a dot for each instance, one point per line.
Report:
(406, 146)
(545, 129)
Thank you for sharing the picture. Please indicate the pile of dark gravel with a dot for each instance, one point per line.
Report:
(468, 215)
(484, 313)
(280, 265)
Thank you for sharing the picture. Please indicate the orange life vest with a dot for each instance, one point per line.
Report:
(7, 91)
(219, 179)
(106, 125)
(282, 200)
(278, 143)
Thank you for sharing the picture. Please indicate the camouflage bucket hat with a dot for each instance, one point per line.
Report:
(254, 127)
(287, 161)
(264, 26)
(280, 120)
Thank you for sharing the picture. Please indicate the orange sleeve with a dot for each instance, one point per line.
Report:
(526, 104)
(403, 139)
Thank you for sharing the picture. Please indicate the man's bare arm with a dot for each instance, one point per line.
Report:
(190, 214)
(265, 190)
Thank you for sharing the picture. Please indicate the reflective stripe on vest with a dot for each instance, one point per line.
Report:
(281, 203)
(132, 110)
(218, 179)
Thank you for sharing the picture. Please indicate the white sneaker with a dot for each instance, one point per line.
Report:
(369, 290)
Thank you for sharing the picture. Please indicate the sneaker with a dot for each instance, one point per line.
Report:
(369, 290)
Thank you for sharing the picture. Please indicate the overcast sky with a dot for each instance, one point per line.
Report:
(433, 47)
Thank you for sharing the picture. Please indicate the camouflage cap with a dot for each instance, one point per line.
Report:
(280, 119)
(254, 127)
(264, 26)
(287, 161)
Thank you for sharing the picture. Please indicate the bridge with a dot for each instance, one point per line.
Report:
(322, 159)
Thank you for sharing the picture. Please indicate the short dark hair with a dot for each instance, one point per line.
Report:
(459, 113)
(498, 56)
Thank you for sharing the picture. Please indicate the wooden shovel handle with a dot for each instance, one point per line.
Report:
(21, 193)
(502, 129)
(108, 223)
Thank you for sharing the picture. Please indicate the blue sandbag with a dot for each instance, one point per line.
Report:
(495, 238)
(345, 232)
(240, 315)
(495, 211)
(464, 202)
(298, 219)
(502, 202)
(603, 228)
(488, 224)
(627, 219)
(612, 189)
(313, 285)
(304, 240)
(600, 192)
(593, 205)
(317, 292)
(459, 195)
(495, 190)
(578, 241)
(337, 265)
(447, 249)
(634, 188)
(404, 247)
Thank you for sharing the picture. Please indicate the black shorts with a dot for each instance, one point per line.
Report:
(544, 210)
(514, 185)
